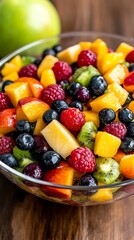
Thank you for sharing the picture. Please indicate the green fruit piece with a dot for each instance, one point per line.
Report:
(87, 135)
(1, 83)
(84, 74)
(107, 170)
(27, 60)
(126, 64)
(20, 154)
(25, 162)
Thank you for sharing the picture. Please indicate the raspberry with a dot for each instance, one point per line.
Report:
(51, 93)
(130, 57)
(6, 144)
(72, 118)
(82, 159)
(28, 71)
(86, 58)
(4, 101)
(62, 71)
(117, 129)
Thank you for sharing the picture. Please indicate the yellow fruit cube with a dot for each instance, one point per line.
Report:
(102, 195)
(107, 61)
(8, 68)
(99, 47)
(124, 48)
(39, 126)
(70, 54)
(59, 138)
(119, 92)
(116, 74)
(17, 91)
(92, 116)
(107, 100)
(106, 145)
(85, 45)
(13, 76)
(17, 61)
(127, 166)
(47, 77)
(47, 63)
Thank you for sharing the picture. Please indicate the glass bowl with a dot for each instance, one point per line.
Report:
(81, 195)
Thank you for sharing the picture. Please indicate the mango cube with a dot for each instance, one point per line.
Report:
(92, 116)
(47, 77)
(99, 47)
(13, 76)
(70, 54)
(85, 45)
(116, 74)
(119, 92)
(47, 63)
(125, 48)
(102, 195)
(106, 145)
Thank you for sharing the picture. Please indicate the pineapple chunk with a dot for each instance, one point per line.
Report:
(47, 63)
(59, 138)
(125, 48)
(70, 54)
(106, 145)
(119, 92)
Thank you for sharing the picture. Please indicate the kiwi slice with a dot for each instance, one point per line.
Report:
(87, 135)
(84, 74)
(20, 154)
(107, 170)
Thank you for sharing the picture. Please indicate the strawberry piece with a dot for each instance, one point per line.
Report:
(130, 57)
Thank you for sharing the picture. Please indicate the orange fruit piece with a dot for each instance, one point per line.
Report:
(119, 155)
(127, 166)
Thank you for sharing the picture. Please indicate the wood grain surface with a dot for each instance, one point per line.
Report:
(26, 217)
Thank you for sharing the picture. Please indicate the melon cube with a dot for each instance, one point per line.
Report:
(106, 145)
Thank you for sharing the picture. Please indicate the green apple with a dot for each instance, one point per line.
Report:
(25, 21)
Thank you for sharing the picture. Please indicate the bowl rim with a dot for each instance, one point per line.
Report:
(10, 170)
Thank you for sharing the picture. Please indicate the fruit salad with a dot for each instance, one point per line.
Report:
(67, 117)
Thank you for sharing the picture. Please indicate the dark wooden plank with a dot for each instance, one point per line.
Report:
(26, 217)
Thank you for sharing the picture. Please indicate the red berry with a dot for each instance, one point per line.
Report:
(72, 118)
(28, 71)
(62, 71)
(4, 101)
(117, 129)
(86, 58)
(129, 80)
(82, 159)
(6, 144)
(130, 57)
(51, 93)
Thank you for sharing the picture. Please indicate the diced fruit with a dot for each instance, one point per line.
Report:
(107, 100)
(17, 61)
(8, 68)
(102, 195)
(127, 166)
(128, 83)
(119, 92)
(39, 126)
(119, 155)
(31, 109)
(59, 138)
(12, 76)
(19, 154)
(108, 61)
(70, 54)
(35, 86)
(131, 106)
(17, 91)
(47, 77)
(106, 145)
(47, 63)
(85, 45)
(116, 74)
(124, 48)
(63, 174)
(7, 120)
(99, 47)
(107, 170)
(92, 116)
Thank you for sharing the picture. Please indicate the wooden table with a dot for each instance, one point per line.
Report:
(25, 217)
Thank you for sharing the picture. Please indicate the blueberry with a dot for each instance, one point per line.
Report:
(50, 115)
(125, 115)
(59, 106)
(74, 66)
(50, 160)
(9, 160)
(82, 95)
(88, 180)
(131, 67)
(76, 104)
(6, 83)
(97, 85)
(107, 115)
(37, 62)
(127, 145)
(23, 126)
(33, 170)
(57, 48)
(73, 88)
(48, 51)
(25, 141)
(130, 130)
